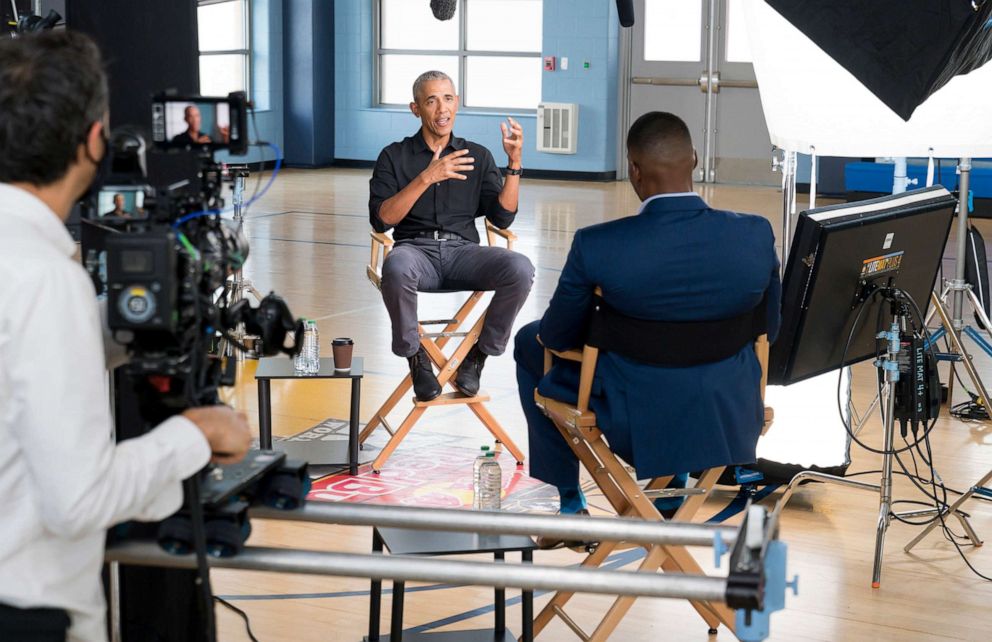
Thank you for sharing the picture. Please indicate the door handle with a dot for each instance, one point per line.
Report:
(697, 82)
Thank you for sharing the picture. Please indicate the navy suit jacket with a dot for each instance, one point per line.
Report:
(678, 260)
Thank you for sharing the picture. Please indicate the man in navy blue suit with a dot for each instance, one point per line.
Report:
(677, 260)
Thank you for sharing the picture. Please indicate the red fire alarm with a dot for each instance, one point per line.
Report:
(549, 63)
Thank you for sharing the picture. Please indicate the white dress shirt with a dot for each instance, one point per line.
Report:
(63, 481)
(645, 202)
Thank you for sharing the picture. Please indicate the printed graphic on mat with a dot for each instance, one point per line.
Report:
(430, 470)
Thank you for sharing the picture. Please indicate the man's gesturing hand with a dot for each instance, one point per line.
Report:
(441, 169)
(513, 141)
(226, 431)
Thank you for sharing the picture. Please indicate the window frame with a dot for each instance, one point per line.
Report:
(246, 52)
(462, 53)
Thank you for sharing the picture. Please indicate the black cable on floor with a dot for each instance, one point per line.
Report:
(244, 616)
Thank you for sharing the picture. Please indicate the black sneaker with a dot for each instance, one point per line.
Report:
(425, 385)
(469, 373)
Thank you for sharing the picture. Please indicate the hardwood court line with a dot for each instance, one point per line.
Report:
(249, 217)
(346, 313)
(364, 246)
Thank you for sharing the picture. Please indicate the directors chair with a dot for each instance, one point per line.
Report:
(578, 425)
(434, 343)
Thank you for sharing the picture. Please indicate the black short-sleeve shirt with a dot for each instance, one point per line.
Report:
(448, 206)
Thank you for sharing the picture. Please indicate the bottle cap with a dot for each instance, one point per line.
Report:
(484, 448)
(491, 454)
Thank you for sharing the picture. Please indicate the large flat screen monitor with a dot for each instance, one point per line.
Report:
(838, 253)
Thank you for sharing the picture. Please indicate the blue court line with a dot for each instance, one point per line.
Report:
(613, 562)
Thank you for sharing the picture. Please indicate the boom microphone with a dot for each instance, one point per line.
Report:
(625, 9)
(444, 9)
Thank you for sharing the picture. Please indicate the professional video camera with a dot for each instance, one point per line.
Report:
(164, 258)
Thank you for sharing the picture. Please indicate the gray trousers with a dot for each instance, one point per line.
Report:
(423, 265)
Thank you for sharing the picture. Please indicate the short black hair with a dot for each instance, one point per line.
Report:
(663, 135)
(53, 87)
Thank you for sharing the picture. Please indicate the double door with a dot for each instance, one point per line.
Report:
(691, 58)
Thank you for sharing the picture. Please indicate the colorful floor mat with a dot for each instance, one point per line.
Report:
(429, 470)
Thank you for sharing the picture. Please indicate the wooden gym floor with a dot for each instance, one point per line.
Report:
(310, 243)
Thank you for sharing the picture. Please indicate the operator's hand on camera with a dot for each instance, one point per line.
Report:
(513, 142)
(451, 166)
(225, 134)
(203, 138)
(226, 431)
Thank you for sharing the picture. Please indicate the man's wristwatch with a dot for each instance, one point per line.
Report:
(509, 171)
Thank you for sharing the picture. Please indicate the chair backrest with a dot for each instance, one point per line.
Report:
(589, 356)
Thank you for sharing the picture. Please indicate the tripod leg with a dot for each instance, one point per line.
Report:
(953, 510)
(980, 312)
(958, 346)
(883, 525)
(933, 310)
(969, 531)
(860, 422)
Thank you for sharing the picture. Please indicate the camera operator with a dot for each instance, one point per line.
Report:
(63, 481)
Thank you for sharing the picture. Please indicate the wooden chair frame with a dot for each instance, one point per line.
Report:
(577, 424)
(433, 343)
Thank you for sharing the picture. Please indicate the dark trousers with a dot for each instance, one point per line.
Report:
(551, 459)
(423, 265)
(33, 625)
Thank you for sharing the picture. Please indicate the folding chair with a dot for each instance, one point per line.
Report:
(577, 424)
(433, 343)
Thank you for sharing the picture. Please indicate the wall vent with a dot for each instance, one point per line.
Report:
(557, 127)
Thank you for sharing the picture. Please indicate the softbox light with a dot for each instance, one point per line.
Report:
(812, 104)
(811, 101)
(901, 50)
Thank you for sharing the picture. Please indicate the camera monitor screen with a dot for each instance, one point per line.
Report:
(200, 122)
(121, 201)
(837, 252)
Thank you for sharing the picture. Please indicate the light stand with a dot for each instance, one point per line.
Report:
(956, 292)
(953, 325)
(888, 366)
(787, 165)
(238, 285)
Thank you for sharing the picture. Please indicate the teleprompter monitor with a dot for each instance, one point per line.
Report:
(838, 254)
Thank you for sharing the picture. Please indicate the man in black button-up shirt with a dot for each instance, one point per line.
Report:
(431, 187)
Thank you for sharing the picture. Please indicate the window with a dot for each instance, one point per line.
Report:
(223, 30)
(491, 49)
(672, 30)
(738, 48)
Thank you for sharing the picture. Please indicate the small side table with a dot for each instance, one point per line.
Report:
(315, 452)
(402, 541)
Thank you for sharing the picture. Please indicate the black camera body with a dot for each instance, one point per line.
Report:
(164, 256)
(142, 283)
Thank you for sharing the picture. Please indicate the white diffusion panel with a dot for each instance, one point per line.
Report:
(811, 101)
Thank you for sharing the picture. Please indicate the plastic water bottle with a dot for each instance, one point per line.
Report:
(313, 348)
(300, 360)
(483, 451)
(489, 483)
